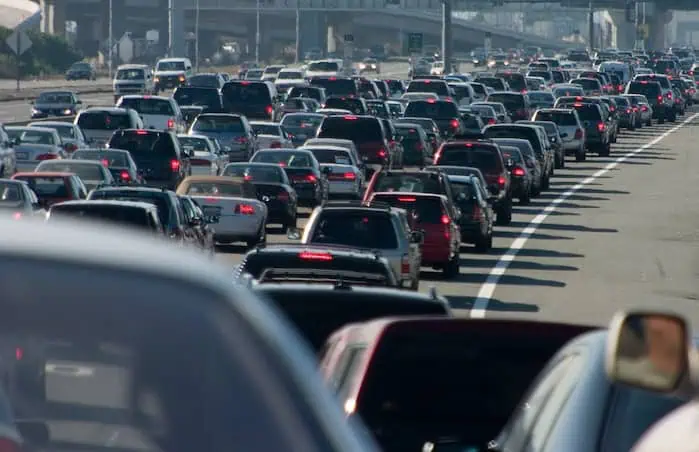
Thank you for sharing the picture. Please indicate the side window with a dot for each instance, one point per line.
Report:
(197, 209)
(348, 362)
(181, 216)
(187, 208)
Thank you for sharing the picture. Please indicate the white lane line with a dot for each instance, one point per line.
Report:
(485, 294)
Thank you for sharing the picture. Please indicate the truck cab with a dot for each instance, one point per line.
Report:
(171, 73)
(132, 79)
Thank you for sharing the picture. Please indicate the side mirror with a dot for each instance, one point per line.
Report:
(212, 220)
(325, 170)
(196, 221)
(509, 163)
(294, 234)
(648, 349)
(417, 237)
(34, 432)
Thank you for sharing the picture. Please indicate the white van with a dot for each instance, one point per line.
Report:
(132, 79)
(160, 113)
(622, 70)
(171, 73)
(325, 68)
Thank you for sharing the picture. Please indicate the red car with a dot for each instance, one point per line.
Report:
(431, 214)
(53, 187)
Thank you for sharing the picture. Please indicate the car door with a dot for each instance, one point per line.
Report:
(207, 234)
(190, 235)
(414, 249)
(195, 221)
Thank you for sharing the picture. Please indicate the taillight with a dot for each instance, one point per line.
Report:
(628, 111)
(241, 140)
(125, 175)
(311, 178)
(315, 256)
(620, 88)
(349, 176)
(19, 353)
(275, 145)
(454, 124)
(244, 209)
(174, 165)
(17, 216)
(283, 196)
(660, 98)
(7, 445)
(491, 121)
(71, 147)
(382, 153)
(445, 219)
(578, 134)
(105, 163)
(519, 172)
(601, 127)
(269, 109)
(47, 157)
(669, 95)
(405, 264)
(477, 212)
(644, 108)
(501, 182)
(170, 123)
(447, 230)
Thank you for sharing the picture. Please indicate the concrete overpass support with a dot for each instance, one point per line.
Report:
(337, 27)
(658, 19)
(312, 24)
(53, 17)
(176, 40)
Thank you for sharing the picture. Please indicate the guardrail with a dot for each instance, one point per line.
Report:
(25, 122)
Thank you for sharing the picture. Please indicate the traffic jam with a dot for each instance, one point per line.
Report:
(342, 192)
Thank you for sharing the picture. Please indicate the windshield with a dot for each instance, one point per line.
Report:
(85, 171)
(55, 98)
(148, 105)
(218, 124)
(130, 74)
(255, 173)
(99, 120)
(357, 229)
(285, 158)
(215, 189)
(323, 66)
(164, 66)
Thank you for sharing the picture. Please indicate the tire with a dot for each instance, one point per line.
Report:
(605, 150)
(613, 140)
(524, 199)
(546, 182)
(289, 224)
(504, 214)
(484, 244)
(451, 269)
(673, 117)
(580, 155)
(649, 123)
(661, 120)
(559, 163)
(563, 161)
(415, 285)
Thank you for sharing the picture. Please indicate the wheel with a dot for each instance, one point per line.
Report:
(673, 117)
(605, 150)
(451, 269)
(415, 285)
(526, 197)
(559, 163)
(580, 155)
(546, 183)
(613, 139)
(504, 215)
(484, 244)
(563, 161)
(661, 120)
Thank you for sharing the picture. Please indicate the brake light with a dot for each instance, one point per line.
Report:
(431, 101)
(382, 153)
(477, 213)
(524, 91)
(405, 264)
(620, 88)
(660, 98)
(247, 177)
(245, 83)
(578, 98)
(241, 140)
(519, 172)
(628, 110)
(141, 132)
(315, 256)
(71, 147)
(125, 175)
(283, 196)
(601, 127)
(275, 145)
(404, 199)
(454, 124)
(491, 121)
(19, 353)
(17, 216)
(445, 219)
(501, 182)
(311, 178)
(170, 123)
(644, 82)
(349, 176)
(644, 108)
(669, 95)
(350, 118)
(612, 109)
(47, 157)
(269, 109)
(244, 209)
(174, 165)
(105, 162)
(333, 78)
(7, 445)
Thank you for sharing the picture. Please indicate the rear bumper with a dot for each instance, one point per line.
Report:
(435, 254)
(236, 226)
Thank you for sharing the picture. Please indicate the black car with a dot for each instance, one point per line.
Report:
(516, 104)
(142, 216)
(211, 80)
(198, 224)
(208, 99)
(308, 264)
(356, 105)
(443, 112)
(254, 99)
(318, 310)
(477, 215)
(654, 93)
(157, 154)
(81, 71)
(170, 212)
(118, 162)
(273, 188)
(55, 104)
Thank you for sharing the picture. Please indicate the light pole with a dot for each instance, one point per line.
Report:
(257, 32)
(196, 37)
(446, 35)
(297, 58)
(110, 55)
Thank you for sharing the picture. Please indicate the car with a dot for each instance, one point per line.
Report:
(345, 178)
(205, 159)
(521, 178)
(433, 216)
(417, 147)
(99, 123)
(357, 225)
(612, 114)
(141, 216)
(206, 80)
(19, 201)
(314, 92)
(200, 224)
(194, 306)
(234, 133)
(271, 135)
(438, 87)
(628, 117)
(477, 215)
(170, 211)
(496, 83)
(157, 153)
(516, 104)
(53, 187)
(597, 133)
(232, 205)
(117, 162)
(567, 89)
(387, 370)
(301, 126)
(444, 113)
(256, 100)
(485, 112)
(428, 125)
(273, 188)
(555, 140)
(367, 134)
(92, 174)
(156, 112)
(666, 101)
(640, 103)
(487, 157)
(356, 105)
(396, 108)
(283, 264)
(82, 70)
(207, 100)
(55, 104)
(33, 145)
(71, 135)
(570, 128)
(541, 99)
(461, 171)
(318, 310)
(408, 180)
(306, 176)
(533, 166)
(590, 86)
(369, 65)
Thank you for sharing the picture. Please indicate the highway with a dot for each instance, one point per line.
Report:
(611, 233)
(8, 85)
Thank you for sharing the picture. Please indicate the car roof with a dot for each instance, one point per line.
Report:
(51, 123)
(71, 161)
(44, 174)
(108, 202)
(411, 194)
(104, 110)
(280, 248)
(133, 189)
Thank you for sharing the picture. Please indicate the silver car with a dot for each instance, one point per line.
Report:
(345, 178)
(206, 160)
(71, 135)
(33, 145)
(569, 125)
(93, 174)
(374, 228)
(271, 135)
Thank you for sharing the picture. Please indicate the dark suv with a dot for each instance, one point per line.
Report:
(654, 93)
(443, 112)
(486, 156)
(253, 99)
(365, 131)
(157, 153)
(517, 104)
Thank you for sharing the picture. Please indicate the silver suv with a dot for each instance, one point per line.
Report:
(378, 228)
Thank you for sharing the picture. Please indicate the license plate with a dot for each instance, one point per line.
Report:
(212, 211)
(21, 155)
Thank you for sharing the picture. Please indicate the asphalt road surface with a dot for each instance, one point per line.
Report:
(9, 85)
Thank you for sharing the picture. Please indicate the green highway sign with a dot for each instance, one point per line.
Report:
(415, 42)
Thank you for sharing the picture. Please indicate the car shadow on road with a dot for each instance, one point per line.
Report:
(594, 191)
(534, 211)
(573, 197)
(535, 252)
(560, 175)
(461, 302)
(541, 204)
(231, 249)
(516, 264)
(505, 280)
(536, 235)
(563, 227)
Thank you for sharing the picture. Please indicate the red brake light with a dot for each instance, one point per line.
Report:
(518, 172)
(350, 118)
(17, 216)
(404, 199)
(241, 140)
(446, 219)
(269, 109)
(491, 121)
(141, 132)
(660, 98)
(644, 108)
(125, 175)
(628, 110)
(19, 353)
(502, 181)
(315, 256)
(175, 165)
(431, 101)
(247, 177)
(620, 87)
(333, 78)
(245, 83)
(577, 105)
(601, 127)
(275, 145)
(105, 163)
(170, 123)
(612, 108)
(382, 153)
(578, 98)
(669, 95)
(283, 196)
(578, 134)
(350, 176)
(245, 209)
(454, 124)
(71, 147)
(644, 82)
(47, 157)
(311, 178)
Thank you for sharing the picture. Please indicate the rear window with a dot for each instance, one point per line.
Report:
(159, 200)
(461, 91)
(10, 194)
(485, 159)
(266, 129)
(130, 74)
(37, 137)
(546, 75)
(567, 91)
(323, 66)
(204, 81)
(589, 84)
(304, 122)
(112, 159)
(428, 86)
(541, 97)
(203, 97)
(621, 102)
(84, 171)
(359, 130)
(144, 145)
(648, 89)
(459, 187)
(346, 103)
(511, 101)
(336, 87)
(246, 92)
(102, 120)
(218, 124)
(479, 89)
(560, 118)
(433, 110)
(415, 183)
(66, 131)
(516, 81)
(329, 156)
(425, 210)
(47, 187)
(148, 106)
(215, 189)
(589, 113)
(662, 67)
(255, 173)
(122, 215)
(355, 229)
(408, 133)
(492, 82)
(284, 158)
(305, 91)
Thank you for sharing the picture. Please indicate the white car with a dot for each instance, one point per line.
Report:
(345, 178)
(271, 135)
(233, 202)
(270, 73)
(325, 68)
(437, 68)
(206, 160)
(290, 76)
(157, 112)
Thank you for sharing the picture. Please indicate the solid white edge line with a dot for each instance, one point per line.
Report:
(485, 294)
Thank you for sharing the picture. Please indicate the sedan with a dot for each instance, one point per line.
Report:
(33, 145)
(271, 135)
(93, 174)
(17, 199)
(301, 126)
(206, 161)
(71, 134)
(118, 162)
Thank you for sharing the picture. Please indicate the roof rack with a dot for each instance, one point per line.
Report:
(357, 203)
